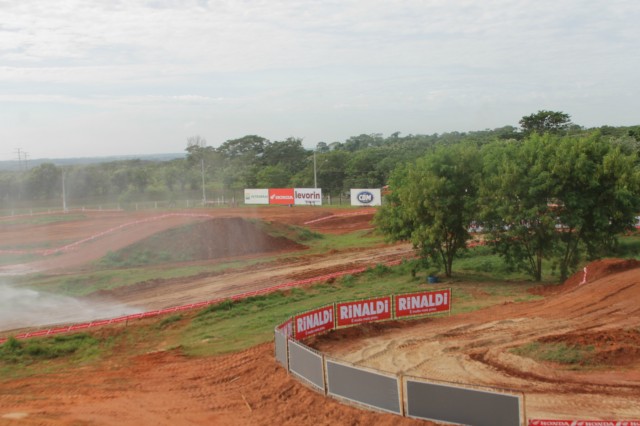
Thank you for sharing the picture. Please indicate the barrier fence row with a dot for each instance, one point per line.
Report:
(398, 394)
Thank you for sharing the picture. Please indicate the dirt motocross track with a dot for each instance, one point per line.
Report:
(164, 387)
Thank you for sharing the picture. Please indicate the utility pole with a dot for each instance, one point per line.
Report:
(19, 152)
(64, 193)
(315, 175)
(204, 194)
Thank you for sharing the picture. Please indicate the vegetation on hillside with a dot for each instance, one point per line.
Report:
(559, 197)
(362, 161)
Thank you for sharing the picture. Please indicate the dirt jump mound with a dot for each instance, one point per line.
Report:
(211, 239)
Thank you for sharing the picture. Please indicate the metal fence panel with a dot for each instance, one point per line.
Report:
(452, 404)
(306, 364)
(281, 348)
(365, 387)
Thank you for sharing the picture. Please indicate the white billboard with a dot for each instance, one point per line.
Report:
(256, 196)
(307, 196)
(366, 197)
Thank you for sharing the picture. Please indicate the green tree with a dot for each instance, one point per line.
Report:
(289, 154)
(44, 181)
(598, 187)
(557, 198)
(272, 177)
(515, 193)
(432, 203)
(545, 122)
(369, 168)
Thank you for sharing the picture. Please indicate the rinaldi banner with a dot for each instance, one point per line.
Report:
(313, 322)
(425, 302)
(287, 327)
(281, 196)
(361, 311)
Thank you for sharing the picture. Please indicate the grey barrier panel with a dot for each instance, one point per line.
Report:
(366, 387)
(306, 364)
(281, 348)
(451, 404)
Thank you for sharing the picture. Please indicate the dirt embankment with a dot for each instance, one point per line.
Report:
(601, 315)
(249, 388)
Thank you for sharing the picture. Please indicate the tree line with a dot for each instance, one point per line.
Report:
(558, 194)
(364, 161)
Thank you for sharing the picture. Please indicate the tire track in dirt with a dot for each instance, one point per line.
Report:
(475, 348)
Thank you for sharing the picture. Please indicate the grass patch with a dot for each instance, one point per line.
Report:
(107, 279)
(42, 219)
(14, 259)
(168, 321)
(298, 234)
(560, 353)
(361, 238)
(232, 326)
(69, 349)
(628, 246)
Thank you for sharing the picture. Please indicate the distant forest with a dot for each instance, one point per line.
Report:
(252, 161)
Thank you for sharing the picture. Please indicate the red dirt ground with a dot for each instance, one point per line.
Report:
(165, 387)
(476, 347)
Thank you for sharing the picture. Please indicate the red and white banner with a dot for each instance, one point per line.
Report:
(361, 311)
(287, 327)
(584, 422)
(425, 302)
(308, 196)
(281, 196)
(313, 322)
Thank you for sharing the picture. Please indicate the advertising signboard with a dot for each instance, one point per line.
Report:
(422, 303)
(361, 311)
(308, 196)
(366, 197)
(286, 327)
(256, 196)
(281, 196)
(313, 322)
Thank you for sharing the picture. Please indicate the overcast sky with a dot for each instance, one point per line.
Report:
(108, 77)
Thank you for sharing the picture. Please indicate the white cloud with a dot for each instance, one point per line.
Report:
(232, 65)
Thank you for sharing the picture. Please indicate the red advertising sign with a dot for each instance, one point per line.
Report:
(287, 327)
(313, 322)
(425, 302)
(281, 196)
(361, 311)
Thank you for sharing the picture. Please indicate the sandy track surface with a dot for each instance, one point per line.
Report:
(475, 348)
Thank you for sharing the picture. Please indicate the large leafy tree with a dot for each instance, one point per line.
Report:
(515, 193)
(545, 121)
(557, 198)
(432, 203)
(597, 196)
(288, 155)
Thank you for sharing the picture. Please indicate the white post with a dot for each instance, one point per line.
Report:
(315, 175)
(64, 194)
(204, 194)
